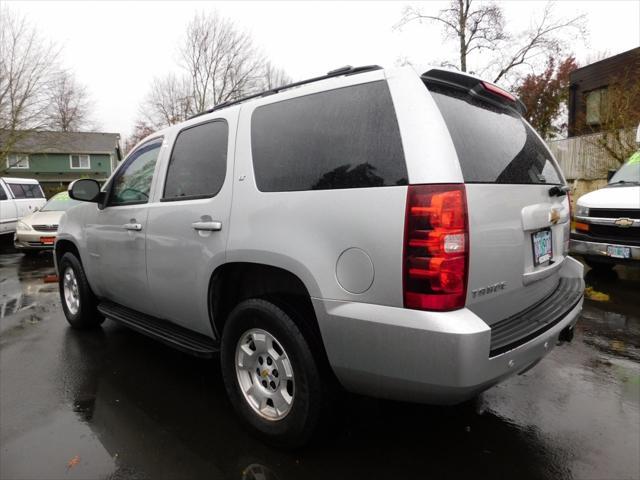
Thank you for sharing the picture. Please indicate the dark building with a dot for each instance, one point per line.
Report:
(592, 86)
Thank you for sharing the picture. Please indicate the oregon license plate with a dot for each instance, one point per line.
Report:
(47, 240)
(542, 250)
(616, 251)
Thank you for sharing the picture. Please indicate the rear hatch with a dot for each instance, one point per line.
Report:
(518, 214)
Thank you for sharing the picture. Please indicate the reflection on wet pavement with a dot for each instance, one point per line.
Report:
(114, 404)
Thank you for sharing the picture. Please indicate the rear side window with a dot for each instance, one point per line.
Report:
(343, 138)
(494, 143)
(3, 194)
(16, 190)
(198, 162)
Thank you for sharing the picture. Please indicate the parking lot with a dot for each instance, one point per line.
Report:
(114, 404)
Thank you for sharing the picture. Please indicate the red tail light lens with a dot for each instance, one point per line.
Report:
(436, 247)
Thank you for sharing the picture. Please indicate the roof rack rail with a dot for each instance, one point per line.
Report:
(346, 70)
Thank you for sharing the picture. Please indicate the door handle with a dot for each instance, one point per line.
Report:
(132, 226)
(208, 226)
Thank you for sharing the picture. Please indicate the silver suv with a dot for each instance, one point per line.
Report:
(399, 235)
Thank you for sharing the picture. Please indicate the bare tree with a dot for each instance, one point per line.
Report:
(474, 28)
(219, 63)
(26, 65)
(480, 27)
(273, 77)
(140, 131)
(69, 104)
(169, 101)
(221, 60)
(547, 37)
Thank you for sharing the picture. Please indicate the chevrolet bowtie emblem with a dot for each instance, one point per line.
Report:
(554, 216)
(264, 373)
(623, 222)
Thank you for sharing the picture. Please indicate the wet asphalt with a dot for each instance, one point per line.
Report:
(112, 404)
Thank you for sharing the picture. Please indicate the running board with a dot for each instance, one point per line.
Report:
(168, 333)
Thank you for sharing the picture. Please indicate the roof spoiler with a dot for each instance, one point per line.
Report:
(475, 86)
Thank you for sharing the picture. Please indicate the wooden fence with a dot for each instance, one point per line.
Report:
(582, 158)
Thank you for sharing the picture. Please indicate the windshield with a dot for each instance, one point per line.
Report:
(629, 172)
(59, 203)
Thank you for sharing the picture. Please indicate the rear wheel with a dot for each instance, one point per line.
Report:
(270, 373)
(78, 302)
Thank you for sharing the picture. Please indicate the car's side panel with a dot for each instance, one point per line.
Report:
(306, 232)
(429, 152)
(180, 259)
(8, 211)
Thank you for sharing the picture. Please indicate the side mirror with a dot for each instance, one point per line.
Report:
(85, 190)
(610, 173)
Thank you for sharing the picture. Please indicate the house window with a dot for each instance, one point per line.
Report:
(596, 106)
(80, 161)
(18, 160)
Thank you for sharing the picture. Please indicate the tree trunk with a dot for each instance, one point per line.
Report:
(462, 21)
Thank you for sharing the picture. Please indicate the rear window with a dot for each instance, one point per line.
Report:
(343, 138)
(493, 142)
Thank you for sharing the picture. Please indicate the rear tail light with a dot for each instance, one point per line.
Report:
(436, 247)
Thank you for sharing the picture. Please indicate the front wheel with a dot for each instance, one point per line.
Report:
(78, 302)
(270, 373)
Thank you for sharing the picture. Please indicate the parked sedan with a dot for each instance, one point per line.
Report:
(38, 231)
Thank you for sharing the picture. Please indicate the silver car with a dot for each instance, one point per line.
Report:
(38, 231)
(397, 235)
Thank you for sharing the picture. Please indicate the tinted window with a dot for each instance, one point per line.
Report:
(17, 190)
(198, 162)
(32, 191)
(494, 143)
(133, 181)
(344, 138)
(3, 194)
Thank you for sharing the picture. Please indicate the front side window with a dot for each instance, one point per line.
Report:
(18, 160)
(343, 138)
(132, 183)
(80, 161)
(3, 194)
(198, 162)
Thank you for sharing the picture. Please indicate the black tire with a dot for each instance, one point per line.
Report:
(87, 315)
(310, 396)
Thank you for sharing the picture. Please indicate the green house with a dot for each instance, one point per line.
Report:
(57, 158)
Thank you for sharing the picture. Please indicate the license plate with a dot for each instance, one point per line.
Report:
(47, 240)
(542, 251)
(618, 252)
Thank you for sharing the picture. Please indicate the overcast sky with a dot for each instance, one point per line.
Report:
(116, 48)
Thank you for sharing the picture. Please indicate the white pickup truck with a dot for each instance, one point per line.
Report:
(607, 221)
(18, 197)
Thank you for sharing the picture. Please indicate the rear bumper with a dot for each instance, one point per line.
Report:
(599, 249)
(430, 357)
